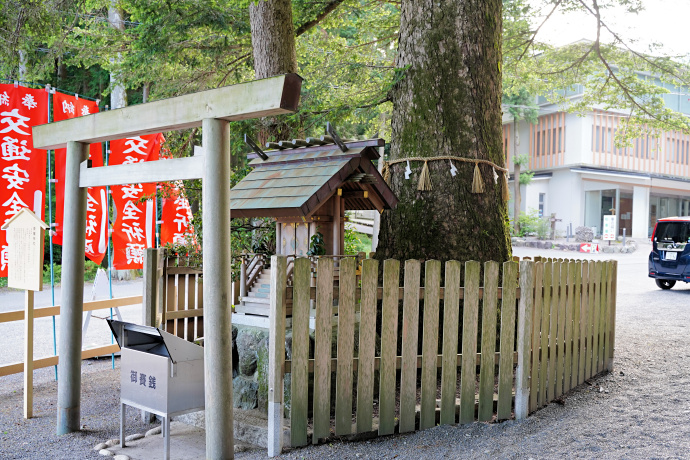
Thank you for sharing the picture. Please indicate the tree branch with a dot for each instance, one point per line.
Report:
(319, 17)
(530, 42)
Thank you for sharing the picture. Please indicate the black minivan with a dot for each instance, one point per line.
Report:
(669, 260)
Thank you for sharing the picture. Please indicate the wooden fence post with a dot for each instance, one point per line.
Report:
(524, 340)
(276, 354)
(152, 273)
(28, 354)
(612, 312)
(150, 299)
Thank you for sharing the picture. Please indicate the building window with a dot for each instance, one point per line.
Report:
(542, 197)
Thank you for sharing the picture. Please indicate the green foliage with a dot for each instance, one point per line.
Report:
(613, 74)
(530, 224)
(521, 104)
(356, 242)
(57, 273)
(317, 246)
(521, 160)
(526, 177)
(90, 270)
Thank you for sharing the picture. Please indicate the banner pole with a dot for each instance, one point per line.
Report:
(50, 230)
(110, 259)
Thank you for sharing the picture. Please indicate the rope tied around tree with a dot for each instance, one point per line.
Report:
(425, 178)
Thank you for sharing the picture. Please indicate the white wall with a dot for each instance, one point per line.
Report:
(566, 199)
(530, 195)
(640, 212)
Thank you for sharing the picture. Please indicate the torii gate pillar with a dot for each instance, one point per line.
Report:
(69, 365)
(217, 286)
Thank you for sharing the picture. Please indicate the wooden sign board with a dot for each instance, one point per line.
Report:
(25, 234)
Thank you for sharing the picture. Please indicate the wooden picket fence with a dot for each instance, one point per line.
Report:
(554, 329)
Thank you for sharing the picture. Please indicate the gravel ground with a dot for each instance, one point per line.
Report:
(641, 410)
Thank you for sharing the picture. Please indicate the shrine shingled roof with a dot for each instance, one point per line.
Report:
(298, 177)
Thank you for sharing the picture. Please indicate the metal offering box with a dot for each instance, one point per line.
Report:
(160, 373)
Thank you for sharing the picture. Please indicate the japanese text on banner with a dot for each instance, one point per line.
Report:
(23, 168)
(64, 107)
(134, 227)
(177, 218)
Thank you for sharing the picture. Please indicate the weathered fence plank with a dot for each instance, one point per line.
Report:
(505, 365)
(432, 285)
(603, 333)
(410, 343)
(389, 345)
(191, 305)
(553, 330)
(536, 336)
(577, 325)
(300, 352)
(560, 335)
(567, 372)
(180, 304)
(322, 349)
(346, 347)
(451, 321)
(170, 302)
(545, 325)
(200, 303)
(367, 346)
(595, 317)
(524, 340)
(276, 355)
(488, 365)
(469, 341)
(612, 313)
(585, 346)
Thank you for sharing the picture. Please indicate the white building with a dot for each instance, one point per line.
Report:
(580, 175)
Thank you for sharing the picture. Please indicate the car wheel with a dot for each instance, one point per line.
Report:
(665, 284)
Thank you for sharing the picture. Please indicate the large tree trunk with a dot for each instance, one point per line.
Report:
(448, 103)
(273, 38)
(118, 92)
(273, 49)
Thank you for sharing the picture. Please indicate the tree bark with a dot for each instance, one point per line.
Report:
(274, 52)
(118, 92)
(273, 38)
(447, 103)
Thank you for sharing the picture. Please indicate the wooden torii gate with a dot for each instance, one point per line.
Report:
(212, 110)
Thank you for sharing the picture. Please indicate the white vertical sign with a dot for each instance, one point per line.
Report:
(609, 230)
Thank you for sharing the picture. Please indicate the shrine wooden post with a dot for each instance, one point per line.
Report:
(212, 110)
(25, 233)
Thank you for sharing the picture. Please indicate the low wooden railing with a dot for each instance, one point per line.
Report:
(18, 315)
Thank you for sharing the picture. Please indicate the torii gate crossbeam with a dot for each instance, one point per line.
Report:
(212, 110)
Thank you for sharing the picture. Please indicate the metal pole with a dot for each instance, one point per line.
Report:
(110, 261)
(217, 289)
(72, 303)
(624, 230)
(50, 230)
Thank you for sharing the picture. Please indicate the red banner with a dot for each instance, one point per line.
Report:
(177, 218)
(134, 228)
(64, 107)
(23, 178)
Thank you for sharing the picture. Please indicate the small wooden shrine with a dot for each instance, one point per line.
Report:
(307, 185)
